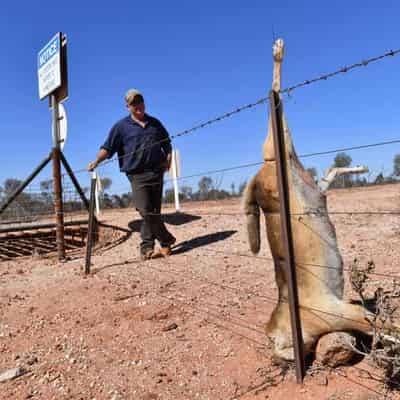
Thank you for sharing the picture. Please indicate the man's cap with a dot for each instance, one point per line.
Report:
(131, 94)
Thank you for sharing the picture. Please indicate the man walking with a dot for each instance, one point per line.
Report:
(144, 154)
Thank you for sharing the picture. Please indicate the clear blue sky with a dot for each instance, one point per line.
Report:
(196, 60)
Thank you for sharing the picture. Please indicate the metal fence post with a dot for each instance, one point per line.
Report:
(281, 163)
(91, 225)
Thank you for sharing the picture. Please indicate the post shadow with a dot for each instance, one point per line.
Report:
(175, 219)
(200, 241)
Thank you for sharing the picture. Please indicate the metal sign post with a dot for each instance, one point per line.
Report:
(92, 223)
(286, 229)
(52, 77)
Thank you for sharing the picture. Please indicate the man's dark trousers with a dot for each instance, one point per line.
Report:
(147, 188)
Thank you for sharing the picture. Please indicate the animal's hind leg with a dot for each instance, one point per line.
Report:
(279, 330)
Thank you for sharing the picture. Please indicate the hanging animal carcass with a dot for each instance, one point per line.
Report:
(319, 265)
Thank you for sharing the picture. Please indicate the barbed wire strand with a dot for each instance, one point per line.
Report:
(262, 100)
(266, 99)
(215, 323)
(72, 204)
(391, 276)
(300, 264)
(342, 70)
(307, 213)
(253, 164)
(267, 298)
(187, 246)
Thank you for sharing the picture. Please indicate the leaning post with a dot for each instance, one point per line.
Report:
(284, 205)
(92, 223)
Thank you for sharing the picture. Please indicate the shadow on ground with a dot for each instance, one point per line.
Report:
(180, 248)
(200, 241)
(170, 219)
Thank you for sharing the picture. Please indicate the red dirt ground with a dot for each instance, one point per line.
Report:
(190, 327)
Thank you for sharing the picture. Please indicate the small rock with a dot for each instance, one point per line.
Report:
(11, 374)
(322, 381)
(160, 316)
(32, 360)
(334, 349)
(150, 396)
(170, 327)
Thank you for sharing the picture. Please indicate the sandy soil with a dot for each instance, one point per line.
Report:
(190, 327)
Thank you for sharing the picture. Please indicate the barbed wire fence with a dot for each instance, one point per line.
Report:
(298, 265)
(288, 91)
(37, 202)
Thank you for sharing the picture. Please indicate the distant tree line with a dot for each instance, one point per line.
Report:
(30, 203)
(208, 189)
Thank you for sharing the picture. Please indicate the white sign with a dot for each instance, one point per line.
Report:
(62, 126)
(49, 66)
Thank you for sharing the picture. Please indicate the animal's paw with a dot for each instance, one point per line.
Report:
(278, 50)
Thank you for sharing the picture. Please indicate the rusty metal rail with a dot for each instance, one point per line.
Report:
(41, 226)
(30, 240)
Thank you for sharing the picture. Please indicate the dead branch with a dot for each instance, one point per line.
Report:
(385, 348)
(332, 173)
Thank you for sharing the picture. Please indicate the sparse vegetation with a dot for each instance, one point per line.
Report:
(385, 347)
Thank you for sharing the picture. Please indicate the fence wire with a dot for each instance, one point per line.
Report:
(36, 203)
(260, 101)
(220, 318)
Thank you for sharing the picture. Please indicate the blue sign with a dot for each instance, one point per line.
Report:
(49, 66)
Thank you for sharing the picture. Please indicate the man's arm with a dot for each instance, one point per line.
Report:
(166, 146)
(168, 162)
(101, 156)
(108, 149)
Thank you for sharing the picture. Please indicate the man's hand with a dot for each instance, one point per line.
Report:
(166, 165)
(101, 156)
(91, 167)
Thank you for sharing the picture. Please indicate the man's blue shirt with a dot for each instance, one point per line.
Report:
(139, 149)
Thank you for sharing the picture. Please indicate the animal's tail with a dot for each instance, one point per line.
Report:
(252, 211)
